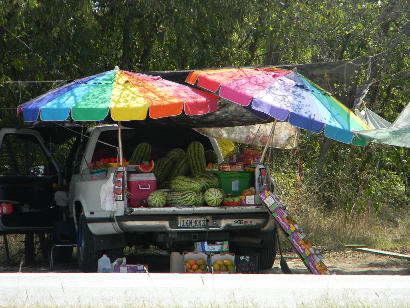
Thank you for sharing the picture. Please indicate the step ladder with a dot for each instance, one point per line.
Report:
(310, 256)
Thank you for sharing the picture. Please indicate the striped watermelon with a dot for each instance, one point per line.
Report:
(162, 169)
(183, 183)
(214, 196)
(182, 198)
(208, 180)
(196, 157)
(175, 154)
(157, 198)
(141, 153)
(199, 199)
(181, 168)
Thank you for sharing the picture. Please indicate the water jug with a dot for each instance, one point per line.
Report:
(104, 264)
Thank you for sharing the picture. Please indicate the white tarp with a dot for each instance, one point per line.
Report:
(285, 135)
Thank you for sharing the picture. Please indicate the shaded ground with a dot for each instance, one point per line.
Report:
(341, 262)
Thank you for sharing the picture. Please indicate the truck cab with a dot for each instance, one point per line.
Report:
(28, 178)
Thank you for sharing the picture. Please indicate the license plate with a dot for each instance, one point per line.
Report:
(192, 222)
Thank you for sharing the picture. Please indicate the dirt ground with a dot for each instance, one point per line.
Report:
(348, 262)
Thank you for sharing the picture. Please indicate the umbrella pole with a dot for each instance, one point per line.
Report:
(120, 143)
(121, 174)
(262, 173)
(270, 139)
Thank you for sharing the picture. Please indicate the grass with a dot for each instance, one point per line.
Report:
(16, 249)
(389, 229)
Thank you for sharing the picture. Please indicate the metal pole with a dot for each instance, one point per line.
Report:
(120, 143)
(268, 142)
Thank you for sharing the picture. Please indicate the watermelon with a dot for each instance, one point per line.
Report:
(183, 183)
(162, 169)
(181, 168)
(214, 196)
(203, 181)
(175, 154)
(182, 198)
(142, 152)
(210, 178)
(157, 198)
(145, 166)
(196, 157)
(199, 201)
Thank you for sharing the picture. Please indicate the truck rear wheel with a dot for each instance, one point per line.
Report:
(87, 251)
(268, 250)
(267, 257)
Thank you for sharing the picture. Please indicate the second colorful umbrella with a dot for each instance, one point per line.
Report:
(284, 95)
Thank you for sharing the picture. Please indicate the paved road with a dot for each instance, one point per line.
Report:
(201, 290)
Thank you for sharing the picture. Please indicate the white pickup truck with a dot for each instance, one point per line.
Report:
(249, 229)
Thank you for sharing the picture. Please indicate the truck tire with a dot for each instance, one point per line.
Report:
(268, 251)
(87, 251)
(267, 257)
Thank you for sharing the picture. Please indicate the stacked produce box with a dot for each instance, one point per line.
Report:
(196, 262)
(310, 256)
(201, 262)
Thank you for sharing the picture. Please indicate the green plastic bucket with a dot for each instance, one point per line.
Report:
(233, 182)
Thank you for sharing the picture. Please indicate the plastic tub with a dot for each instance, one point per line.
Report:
(233, 182)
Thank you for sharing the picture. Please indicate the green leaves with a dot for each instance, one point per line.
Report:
(53, 39)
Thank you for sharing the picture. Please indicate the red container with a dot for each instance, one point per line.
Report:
(6, 208)
(140, 185)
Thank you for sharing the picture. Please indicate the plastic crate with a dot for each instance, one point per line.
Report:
(234, 183)
(248, 264)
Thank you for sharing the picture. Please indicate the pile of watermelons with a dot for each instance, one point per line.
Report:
(181, 176)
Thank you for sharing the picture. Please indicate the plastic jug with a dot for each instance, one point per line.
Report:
(104, 264)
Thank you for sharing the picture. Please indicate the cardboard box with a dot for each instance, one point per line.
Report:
(311, 267)
(212, 247)
(223, 266)
(196, 256)
(131, 268)
(251, 200)
(299, 245)
(120, 266)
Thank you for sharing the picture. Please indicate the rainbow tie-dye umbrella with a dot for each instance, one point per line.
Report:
(124, 95)
(284, 95)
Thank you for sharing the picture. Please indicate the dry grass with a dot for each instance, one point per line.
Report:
(387, 230)
(16, 249)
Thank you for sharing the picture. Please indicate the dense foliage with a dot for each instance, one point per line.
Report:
(66, 39)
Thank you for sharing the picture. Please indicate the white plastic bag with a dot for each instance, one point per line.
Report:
(107, 195)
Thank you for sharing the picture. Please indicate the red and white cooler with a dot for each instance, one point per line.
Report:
(140, 185)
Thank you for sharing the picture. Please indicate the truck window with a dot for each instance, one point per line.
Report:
(23, 155)
(78, 154)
